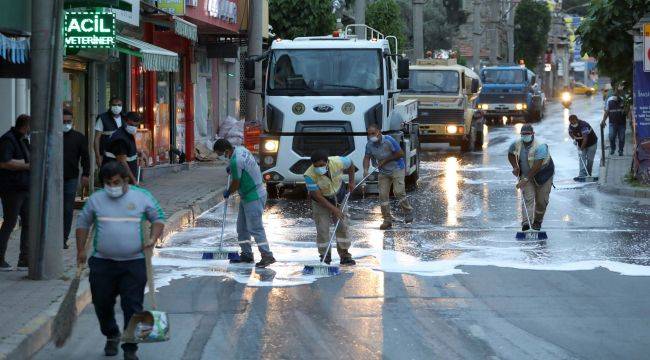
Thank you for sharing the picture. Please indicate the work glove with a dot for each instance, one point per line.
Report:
(226, 194)
(228, 169)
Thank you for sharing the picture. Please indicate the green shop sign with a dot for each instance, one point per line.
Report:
(89, 30)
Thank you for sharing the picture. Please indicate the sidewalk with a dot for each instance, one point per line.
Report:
(616, 169)
(28, 307)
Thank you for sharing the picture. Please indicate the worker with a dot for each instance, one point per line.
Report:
(533, 166)
(105, 126)
(585, 138)
(121, 146)
(246, 178)
(386, 154)
(117, 265)
(324, 180)
(615, 110)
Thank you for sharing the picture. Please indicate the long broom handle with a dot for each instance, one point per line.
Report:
(583, 161)
(148, 253)
(345, 203)
(602, 146)
(223, 220)
(523, 202)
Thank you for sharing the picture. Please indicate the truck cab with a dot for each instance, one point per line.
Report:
(446, 92)
(509, 95)
(323, 92)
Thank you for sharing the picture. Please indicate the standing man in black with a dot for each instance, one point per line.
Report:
(14, 189)
(75, 150)
(121, 145)
(106, 124)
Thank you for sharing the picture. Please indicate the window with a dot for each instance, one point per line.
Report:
(434, 81)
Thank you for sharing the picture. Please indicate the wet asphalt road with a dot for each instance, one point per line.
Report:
(453, 285)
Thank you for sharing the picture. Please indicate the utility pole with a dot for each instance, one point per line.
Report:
(46, 163)
(418, 28)
(511, 32)
(476, 35)
(253, 99)
(360, 12)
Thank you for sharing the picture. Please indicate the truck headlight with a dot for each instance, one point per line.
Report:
(519, 106)
(452, 129)
(483, 106)
(271, 146)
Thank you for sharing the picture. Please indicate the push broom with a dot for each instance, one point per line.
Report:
(529, 234)
(220, 253)
(589, 177)
(322, 268)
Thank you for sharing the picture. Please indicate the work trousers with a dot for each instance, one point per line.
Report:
(323, 219)
(69, 195)
(396, 180)
(15, 204)
(249, 224)
(586, 158)
(616, 131)
(536, 198)
(110, 278)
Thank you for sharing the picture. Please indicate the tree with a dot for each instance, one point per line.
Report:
(604, 35)
(294, 18)
(575, 7)
(533, 22)
(385, 16)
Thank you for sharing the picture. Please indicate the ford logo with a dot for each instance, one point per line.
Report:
(323, 108)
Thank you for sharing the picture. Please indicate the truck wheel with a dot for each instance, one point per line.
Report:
(411, 181)
(465, 145)
(272, 191)
(478, 140)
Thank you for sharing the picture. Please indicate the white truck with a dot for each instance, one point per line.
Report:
(322, 93)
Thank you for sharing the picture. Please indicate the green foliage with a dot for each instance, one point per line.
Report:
(439, 26)
(575, 7)
(604, 35)
(294, 18)
(384, 15)
(533, 22)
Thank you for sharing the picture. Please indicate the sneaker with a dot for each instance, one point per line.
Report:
(348, 261)
(525, 227)
(4, 266)
(111, 347)
(65, 245)
(22, 265)
(386, 225)
(537, 226)
(408, 218)
(611, 152)
(243, 259)
(620, 153)
(266, 261)
(130, 355)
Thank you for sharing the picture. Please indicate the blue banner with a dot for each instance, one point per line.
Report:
(641, 102)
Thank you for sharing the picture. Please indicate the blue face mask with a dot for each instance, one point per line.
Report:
(526, 138)
(321, 170)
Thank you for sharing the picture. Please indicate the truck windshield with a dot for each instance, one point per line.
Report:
(325, 72)
(510, 76)
(433, 81)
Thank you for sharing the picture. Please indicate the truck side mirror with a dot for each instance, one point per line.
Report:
(475, 86)
(249, 84)
(249, 69)
(403, 68)
(402, 84)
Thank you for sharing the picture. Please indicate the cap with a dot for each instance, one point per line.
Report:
(527, 128)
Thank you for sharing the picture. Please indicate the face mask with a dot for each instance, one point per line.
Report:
(67, 127)
(222, 157)
(131, 129)
(574, 125)
(321, 170)
(526, 138)
(373, 138)
(114, 191)
(116, 109)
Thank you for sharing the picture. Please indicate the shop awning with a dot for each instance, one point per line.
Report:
(181, 27)
(185, 29)
(14, 50)
(154, 58)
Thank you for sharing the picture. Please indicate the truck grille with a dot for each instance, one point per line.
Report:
(440, 116)
(323, 135)
(506, 98)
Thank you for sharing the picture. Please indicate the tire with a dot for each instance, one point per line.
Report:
(411, 181)
(465, 145)
(478, 140)
(272, 191)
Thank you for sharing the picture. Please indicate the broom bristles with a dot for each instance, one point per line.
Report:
(66, 316)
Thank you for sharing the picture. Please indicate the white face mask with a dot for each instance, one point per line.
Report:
(321, 170)
(67, 127)
(114, 191)
(526, 138)
(116, 109)
(574, 125)
(374, 138)
(131, 129)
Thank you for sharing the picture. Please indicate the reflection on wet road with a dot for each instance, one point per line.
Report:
(466, 214)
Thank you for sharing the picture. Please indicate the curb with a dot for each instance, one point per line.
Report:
(625, 191)
(37, 333)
